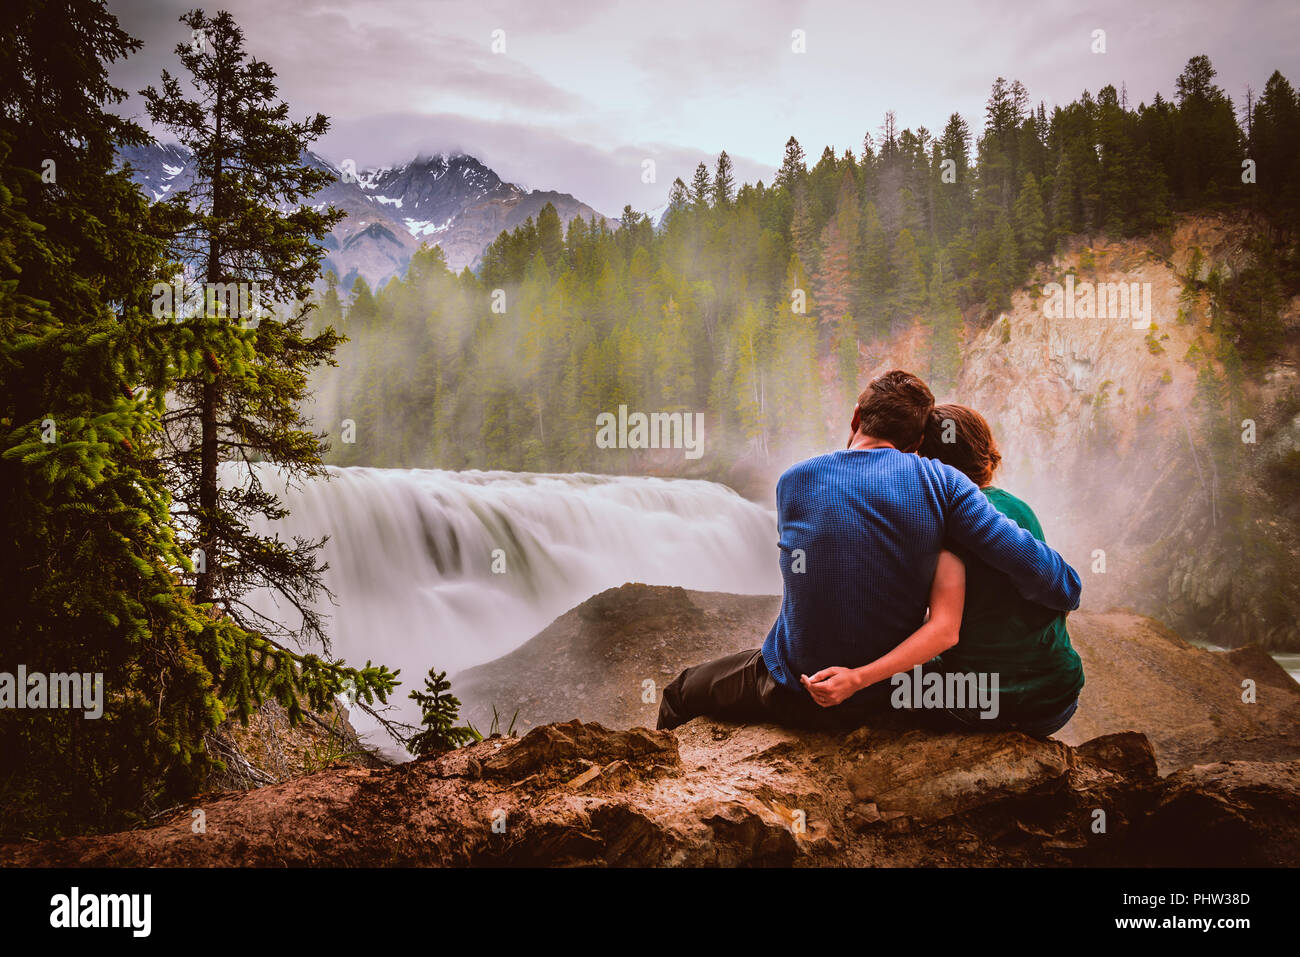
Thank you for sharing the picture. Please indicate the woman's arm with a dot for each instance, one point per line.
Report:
(830, 686)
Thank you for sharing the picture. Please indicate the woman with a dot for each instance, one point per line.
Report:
(979, 624)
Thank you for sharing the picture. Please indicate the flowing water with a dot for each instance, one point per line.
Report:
(451, 569)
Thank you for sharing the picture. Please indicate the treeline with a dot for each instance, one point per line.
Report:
(127, 565)
(760, 303)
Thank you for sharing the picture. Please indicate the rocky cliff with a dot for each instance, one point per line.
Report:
(709, 793)
(1156, 460)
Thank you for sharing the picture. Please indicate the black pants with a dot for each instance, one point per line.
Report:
(1042, 726)
(739, 688)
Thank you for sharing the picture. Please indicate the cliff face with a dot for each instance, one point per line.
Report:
(711, 793)
(1144, 470)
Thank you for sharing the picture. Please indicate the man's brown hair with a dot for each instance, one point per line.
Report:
(895, 408)
(961, 437)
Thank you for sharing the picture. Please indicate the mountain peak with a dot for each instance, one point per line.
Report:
(451, 199)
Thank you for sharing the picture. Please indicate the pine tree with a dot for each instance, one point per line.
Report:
(847, 356)
(240, 383)
(803, 228)
(1006, 269)
(1275, 146)
(363, 308)
(86, 530)
(877, 274)
(1208, 141)
(997, 155)
(909, 295)
(837, 281)
(952, 198)
(701, 187)
(945, 328)
(823, 186)
(550, 235)
(795, 378)
(724, 182)
(679, 201)
(329, 311)
(1031, 223)
(439, 709)
(239, 402)
(674, 366)
(751, 381)
(1065, 219)
(793, 166)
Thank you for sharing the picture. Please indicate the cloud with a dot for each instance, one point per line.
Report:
(330, 61)
(534, 157)
(586, 91)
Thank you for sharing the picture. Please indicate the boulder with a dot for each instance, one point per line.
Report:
(716, 794)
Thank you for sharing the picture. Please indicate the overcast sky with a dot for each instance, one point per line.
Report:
(586, 90)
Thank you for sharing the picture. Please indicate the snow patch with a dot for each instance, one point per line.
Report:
(426, 227)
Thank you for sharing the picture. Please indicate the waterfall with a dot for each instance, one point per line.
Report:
(451, 569)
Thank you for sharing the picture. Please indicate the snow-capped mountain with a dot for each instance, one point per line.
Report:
(448, 200)
(158, 169)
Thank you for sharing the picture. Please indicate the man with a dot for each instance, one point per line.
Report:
(860, 532)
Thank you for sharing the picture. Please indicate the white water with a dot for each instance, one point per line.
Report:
(410, 555)
(1291, 662)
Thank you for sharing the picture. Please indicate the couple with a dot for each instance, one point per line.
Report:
(902, 520)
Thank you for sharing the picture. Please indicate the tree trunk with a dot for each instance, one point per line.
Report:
(207, 491)
(205, 587)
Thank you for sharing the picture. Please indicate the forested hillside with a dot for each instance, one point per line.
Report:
(762, 304)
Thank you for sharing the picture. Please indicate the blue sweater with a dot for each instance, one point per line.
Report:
(860, 535)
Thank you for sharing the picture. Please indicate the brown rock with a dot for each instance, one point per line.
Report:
(762, 796)
(929, 776)
(1141, 677)
(553, 747)
(1126, 752)
(1237, 813)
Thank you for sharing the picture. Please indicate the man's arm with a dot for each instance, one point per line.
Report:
(830, 686)
(1038, 572)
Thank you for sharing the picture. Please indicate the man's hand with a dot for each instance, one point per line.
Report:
(830, 686)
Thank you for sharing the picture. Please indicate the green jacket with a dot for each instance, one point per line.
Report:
(1026, 644)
